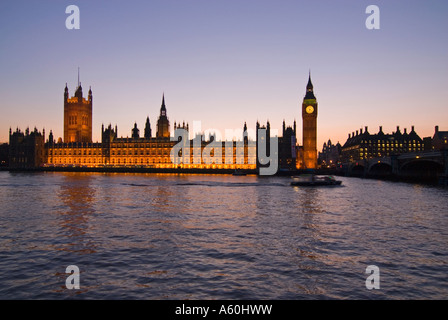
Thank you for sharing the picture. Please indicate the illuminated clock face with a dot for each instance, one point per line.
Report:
(309, 109)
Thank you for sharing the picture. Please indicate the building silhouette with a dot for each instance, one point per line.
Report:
(287, 147)
(146, 150)
(26, 149)
(142, 149)
(440, 139)
(363, 145)
(330, 155)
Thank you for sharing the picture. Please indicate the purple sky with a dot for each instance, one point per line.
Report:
(226, 62)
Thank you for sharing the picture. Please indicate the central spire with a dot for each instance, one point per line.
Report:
(163, 124)
(163, 108)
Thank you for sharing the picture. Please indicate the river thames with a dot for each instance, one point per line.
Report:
(162, 236)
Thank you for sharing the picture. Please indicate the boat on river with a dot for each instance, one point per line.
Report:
(311, 180)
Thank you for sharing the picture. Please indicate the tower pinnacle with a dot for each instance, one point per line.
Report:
(163, 107)
(309, 88)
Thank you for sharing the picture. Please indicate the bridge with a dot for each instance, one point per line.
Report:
(418, 166)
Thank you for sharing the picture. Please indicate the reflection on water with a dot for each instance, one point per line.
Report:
(141, 236)
(77, 195)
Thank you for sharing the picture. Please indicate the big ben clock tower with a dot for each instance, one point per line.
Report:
(309, 118)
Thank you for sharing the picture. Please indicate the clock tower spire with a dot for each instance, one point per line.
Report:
(309, 134)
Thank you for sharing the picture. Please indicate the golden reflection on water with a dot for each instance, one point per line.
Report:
(78, 196)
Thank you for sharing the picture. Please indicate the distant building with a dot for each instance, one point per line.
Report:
(329, 157)
(440, 139)
(364, 145)
(4, 155)
(26, 150)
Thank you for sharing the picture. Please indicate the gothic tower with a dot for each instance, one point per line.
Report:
(135, 132)
(77, 116)
(163, 124)
(147, 129)
(309, 117)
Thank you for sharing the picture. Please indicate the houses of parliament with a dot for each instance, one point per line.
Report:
(143, 149)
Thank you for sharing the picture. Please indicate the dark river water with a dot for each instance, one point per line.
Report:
(138, 236)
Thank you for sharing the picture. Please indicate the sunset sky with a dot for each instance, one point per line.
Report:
(224, 62)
